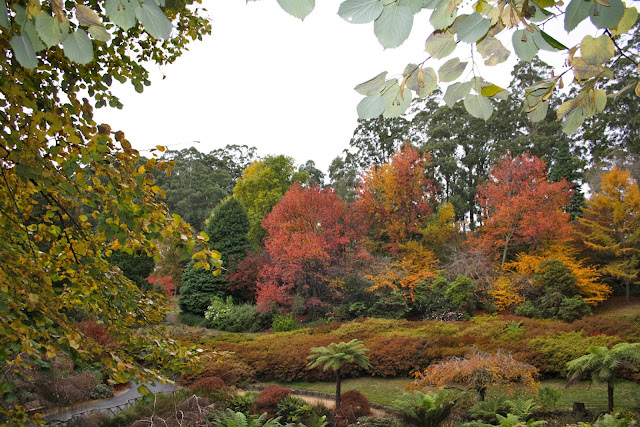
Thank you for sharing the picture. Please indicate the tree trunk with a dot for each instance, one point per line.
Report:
(628, 290)
(338, 381)
(504, 253)
(610, 396)
(481, 393)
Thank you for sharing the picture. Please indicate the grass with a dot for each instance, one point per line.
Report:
(626, 395)
(384, 391)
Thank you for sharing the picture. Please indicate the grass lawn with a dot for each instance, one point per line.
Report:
(626, 395)
(384, 391)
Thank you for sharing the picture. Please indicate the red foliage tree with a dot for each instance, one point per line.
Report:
(521, 206)
(164, 284)
(308, 232)
(397, 197)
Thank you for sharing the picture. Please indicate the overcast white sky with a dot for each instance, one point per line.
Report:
(266, 79)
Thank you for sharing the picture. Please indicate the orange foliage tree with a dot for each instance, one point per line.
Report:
(511, 288)
(521, 206)
(397, 198)
(610, 228)
(478, 371)
(308, 232)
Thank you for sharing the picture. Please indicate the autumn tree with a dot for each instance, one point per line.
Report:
(260, 188)
(521, 207)
(397, 198)
(523, 279)
(307, 232)
(610, 228)
(72, 191)
(478, 371)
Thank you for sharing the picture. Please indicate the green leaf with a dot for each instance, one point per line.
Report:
(30, 28)
(21, 15)
(372, 87)
(78, 47)
(23, 50)
(574, 120)
(440, 44)
(539, 113)
(441, 18)
(371, 107)
(395, 102)
(414, 5)
(98, 32)
(545, 42)
(456, 92)
(478, 106)
(298, 8)
(422, 81)
(524, 45)
(121, 12)
(360, 11)
(153, 19)
(49, 29)
(492, 50)
(576, 12)
(4, 15)
(473, 28)
(607, 16)
(430, 4)
(393, 26)
(451, 70)
(143, 390)
(627, 22)
(597, 51)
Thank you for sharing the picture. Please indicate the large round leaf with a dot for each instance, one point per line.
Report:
(393, 26)
(360, 11)
(78, 47)
(607, 16)
(524, 45)
(473, 28)
(371, 107)
(478, 106)
(440, 44)
(153, 19)
(121, 12)
(298, 8)
(23, 49)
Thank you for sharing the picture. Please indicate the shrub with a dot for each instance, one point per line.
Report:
(225, 316)
(101, 391)
(91, 329)
(268, 400)
(284, 323)
(190, 319)
(558, 349)
(208, 384)
(389, 305)
(243, 402)
(164, 284)
(292, 409)
(394, 355)
(231, 418)
(611, 326)
(548, 397)
(218, 312)
(353, 406)
(230, 370)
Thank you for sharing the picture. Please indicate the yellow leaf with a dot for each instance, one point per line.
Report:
(83, 218)
(74, 344)
(490, 90)
(160, 148)
(638, 89)
(155, 189)
(141, 170)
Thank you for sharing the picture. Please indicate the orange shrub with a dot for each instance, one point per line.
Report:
(230, 370)
(208, 384)
(393, 355)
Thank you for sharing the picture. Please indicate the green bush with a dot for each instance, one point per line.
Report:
(548, 397)
(243, 402)
(426, 409)
(375, 421)
(557, 349)
(190, 319)
(293, 409)
(284, 323)
(389, 305)
(223, 315)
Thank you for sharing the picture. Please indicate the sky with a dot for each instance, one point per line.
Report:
(266, 79)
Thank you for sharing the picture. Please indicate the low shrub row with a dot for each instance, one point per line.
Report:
(399, 347)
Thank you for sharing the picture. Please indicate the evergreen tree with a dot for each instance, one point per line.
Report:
(227, 229)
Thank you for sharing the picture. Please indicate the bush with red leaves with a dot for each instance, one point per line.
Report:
(91, 329)
(268, 400)
(209, 384)
(353, 405)
(163, 284)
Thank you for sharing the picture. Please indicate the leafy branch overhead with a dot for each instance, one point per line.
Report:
(490, 28)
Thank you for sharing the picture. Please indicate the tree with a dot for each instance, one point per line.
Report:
(308, 232)
(72, 191)
(314, 175)
(603, 365)
(261, 187)
(375, 141)
(136, 267)
(343, 177)
(480, 26)
(478, 371)
(227, 229)
(521, 206)
(335, 355)
(610, 228)
(197, 183)
(397, 198)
